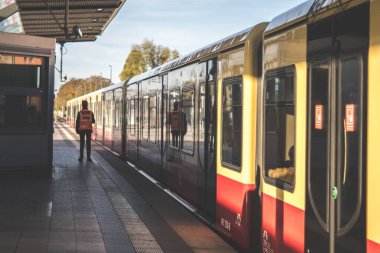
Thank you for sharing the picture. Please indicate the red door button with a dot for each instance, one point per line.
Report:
(350, 117)
(319, 117)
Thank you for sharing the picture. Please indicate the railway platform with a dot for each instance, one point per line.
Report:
(103, 206)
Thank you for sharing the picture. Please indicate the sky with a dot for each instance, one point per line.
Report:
(185, 25)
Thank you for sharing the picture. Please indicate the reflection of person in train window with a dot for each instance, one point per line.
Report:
(175, 117)
(174, 124)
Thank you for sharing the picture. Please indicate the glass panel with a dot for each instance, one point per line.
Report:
(152, 119)
(212, 118)
(27, 76)
(22, 113)
(211, 68)
(202, 72)
(187, 121)
(202, 122)
(279, 90)
(11, 24)
(319, 144)
(132, 122)
(232, 121)
(145, 119)
(279, 121)
(173, 120)
(350, 140)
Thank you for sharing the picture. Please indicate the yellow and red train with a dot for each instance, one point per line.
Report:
(275, 129)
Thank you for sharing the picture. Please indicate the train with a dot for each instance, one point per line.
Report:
(270, 133)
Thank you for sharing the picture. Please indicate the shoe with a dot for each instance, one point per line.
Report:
(80, 159)
(89, 160)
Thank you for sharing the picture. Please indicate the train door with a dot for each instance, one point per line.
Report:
(207, 134)
(336, 195)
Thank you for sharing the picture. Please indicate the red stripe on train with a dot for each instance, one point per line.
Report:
(283, 226)
(373, 247)
(234, 215)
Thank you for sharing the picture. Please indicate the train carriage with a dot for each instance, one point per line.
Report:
(318, 119)
(270, 132)
(185, 126)
(106, 103)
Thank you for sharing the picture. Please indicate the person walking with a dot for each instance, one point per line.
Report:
(83, 126)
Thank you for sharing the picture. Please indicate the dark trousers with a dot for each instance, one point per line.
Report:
(82, 134)
(175, 135)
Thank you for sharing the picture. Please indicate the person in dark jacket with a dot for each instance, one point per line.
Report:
(83, 126)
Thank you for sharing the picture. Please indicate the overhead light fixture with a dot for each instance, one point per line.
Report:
(94, 20)
(90, 28)
(77, 32)
(100, 10)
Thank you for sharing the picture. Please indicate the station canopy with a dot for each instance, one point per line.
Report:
(60, 19)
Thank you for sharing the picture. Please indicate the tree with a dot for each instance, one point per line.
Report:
(144, 56)
(134, 65)
(76, 87)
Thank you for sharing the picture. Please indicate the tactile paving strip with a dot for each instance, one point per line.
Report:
(141, 238)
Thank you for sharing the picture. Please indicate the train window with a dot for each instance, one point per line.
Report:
(20, 112)
(118, 107)
(20, 71)
(232, 122)
(145, 118)
(279, 120)
(132, 117)
(22, 93)
(153, 119)
(187, 120)
(173, 118)
(108, 107)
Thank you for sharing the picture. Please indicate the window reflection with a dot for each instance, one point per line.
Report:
(173, 118)
(152, 118)
(20, 71)
(145, 118)
(20, 112)
(181, 107)
(132, 123)
(187, 128)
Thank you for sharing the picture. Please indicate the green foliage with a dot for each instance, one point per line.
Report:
(78, 87)
(145, 56)
(134, 64)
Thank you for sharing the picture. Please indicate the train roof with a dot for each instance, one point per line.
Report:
(216, 47)
(111, 87)
(300, 13)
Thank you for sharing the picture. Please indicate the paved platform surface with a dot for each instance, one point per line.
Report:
(104, 206)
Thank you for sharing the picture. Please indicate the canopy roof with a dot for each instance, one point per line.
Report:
(48, 18)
